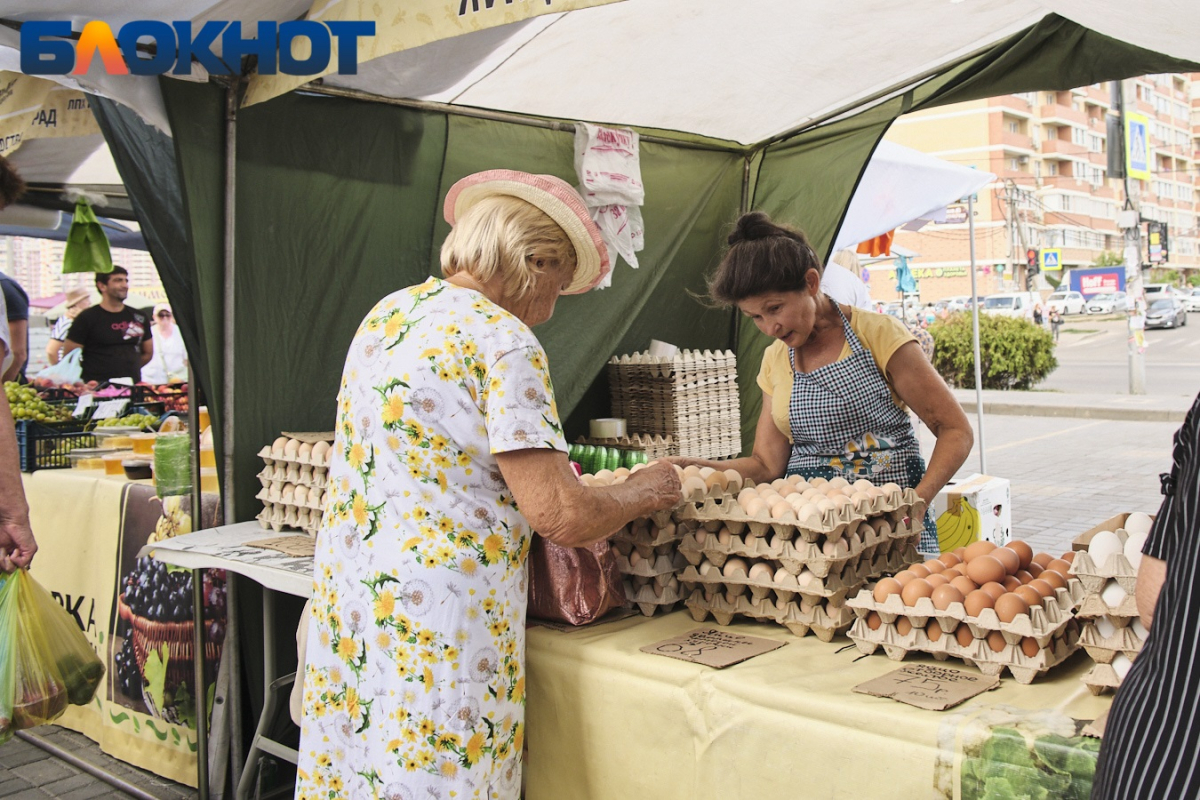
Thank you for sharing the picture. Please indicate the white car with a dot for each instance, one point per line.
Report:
(1191, 301)
(1010, 304)
(1108, 303)
(1067, 302)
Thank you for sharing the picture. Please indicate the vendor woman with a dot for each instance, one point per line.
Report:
(837, 381)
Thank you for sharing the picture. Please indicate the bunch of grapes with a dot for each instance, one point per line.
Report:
(26, 404)
(129, 676)
(155, 592)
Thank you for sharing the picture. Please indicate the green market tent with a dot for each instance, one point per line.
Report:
(335, 189)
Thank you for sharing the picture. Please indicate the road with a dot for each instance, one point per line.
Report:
(1092, 357)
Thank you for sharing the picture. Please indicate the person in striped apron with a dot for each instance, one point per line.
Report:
(837, 381)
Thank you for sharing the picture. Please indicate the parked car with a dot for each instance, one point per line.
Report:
(1108, 303)
(1011, 304)
(1067, 302)
(1166, 312)
(1156, 291)
(1192, 301)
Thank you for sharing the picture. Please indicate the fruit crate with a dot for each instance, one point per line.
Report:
(47, 445)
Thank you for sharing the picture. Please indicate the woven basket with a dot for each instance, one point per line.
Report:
(149, 636)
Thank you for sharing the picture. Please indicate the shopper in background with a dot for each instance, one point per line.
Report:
(169, 364)
(1039, 316)
(840, 280)
(837, 382)
(1151, 737)
(115, 338)
(1056, 321)
(449, 454)
(17, 302)
(77, 300)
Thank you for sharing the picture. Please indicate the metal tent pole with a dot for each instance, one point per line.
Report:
(199, 687)
(975, 337)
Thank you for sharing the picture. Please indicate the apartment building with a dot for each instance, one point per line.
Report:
(37, 265)
(1049, 151)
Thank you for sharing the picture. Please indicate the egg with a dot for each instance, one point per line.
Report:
(1044, 588)
(734, 567)
(277, 447)
(1023, 576)
(733, 480)
(1133, 549)
(1034, 569)
(1137, 523)
(842, 503)
(292, 448)
(944, 596)
(780, 508)
(984, 568)
(701, 536)
(1042, 559)
(886, 588)
(761, 572)
(863, 485)
(934, 566)
(725, 537)
(904, 578)
(604, 477)
(782, 576)
(823, 505)
(938, 579)
(1112, 594)
(691, 471)
(755, 508)
(891, 488)
(1024, 552)
(949, 560)
(835, 548)
(304, 452)
(635, 558)
(694, 487)
(1068, 556)
(320, 453)
(747, 494)
(1121, 665)
(903, 626)
(1010, 583)
(807, 579)
(1104, 627)
(1139, 629)
(1103, 545)
(288, 492)
(861, 500)
(994, 589)
(964, 584)
(978, 549)
(1030, 595)
(839, 482)
(995, 640)
(1010, 606)
(817, 482)
(977, 601)
(915, 590)
(950, 573)
(919, 571)
(1053, 578)
(963, 636)
(1009, 558)
(300, 496)
(874, 621)
(708, 568)
(933, 630)
(1029, 647)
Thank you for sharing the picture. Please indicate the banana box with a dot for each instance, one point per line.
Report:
(973, 509)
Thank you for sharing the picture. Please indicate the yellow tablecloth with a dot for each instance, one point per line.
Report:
(607, 721)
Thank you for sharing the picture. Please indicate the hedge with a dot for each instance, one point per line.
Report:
(1015, 353)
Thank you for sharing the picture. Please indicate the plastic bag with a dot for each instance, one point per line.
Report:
(65, 372)
(87, 245)
(46, 662)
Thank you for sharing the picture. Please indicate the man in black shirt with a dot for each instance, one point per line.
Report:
(17, 303)
(115, 338)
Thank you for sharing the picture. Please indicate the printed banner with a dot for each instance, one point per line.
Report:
(35, 108)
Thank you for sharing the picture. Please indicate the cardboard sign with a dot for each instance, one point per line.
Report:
(713, 647)
(929, 686)
(299, 546)
(110, 409)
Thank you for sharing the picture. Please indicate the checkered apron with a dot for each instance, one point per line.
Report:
(845, 423)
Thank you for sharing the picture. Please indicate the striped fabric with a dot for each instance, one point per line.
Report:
(1152, 740)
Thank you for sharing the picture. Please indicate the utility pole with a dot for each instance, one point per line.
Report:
(1130, 220)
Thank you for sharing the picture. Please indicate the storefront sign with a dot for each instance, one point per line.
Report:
(1100, 280)
(921, 273)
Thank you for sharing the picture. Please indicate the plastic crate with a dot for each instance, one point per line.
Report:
(47, 445)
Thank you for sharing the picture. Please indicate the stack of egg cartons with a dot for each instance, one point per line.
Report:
(691, 397)
(1113, 633)
(293, 484)
(791, 552)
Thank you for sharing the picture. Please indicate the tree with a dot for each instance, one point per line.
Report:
(1108, 258)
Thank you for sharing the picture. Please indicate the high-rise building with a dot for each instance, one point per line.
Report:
(1049, 151)
(37, 265)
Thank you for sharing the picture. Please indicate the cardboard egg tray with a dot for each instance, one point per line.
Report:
(662, 567)
(1041, 621)
(312, 477)
(1102, 678)
(1116, 567)
(271, 460)
(653, 446)
(1093, 605)
(314, 501)
(285, 516)
(648, 541)
(1104, 649)
(651, 596)
(1054, 648)
(824, 620)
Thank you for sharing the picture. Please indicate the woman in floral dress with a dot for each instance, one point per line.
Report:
(449, 453)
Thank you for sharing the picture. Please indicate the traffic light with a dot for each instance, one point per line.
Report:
(1031, 268)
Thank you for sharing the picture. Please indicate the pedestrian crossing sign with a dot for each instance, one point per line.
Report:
(1137, 146)
(1051, 259)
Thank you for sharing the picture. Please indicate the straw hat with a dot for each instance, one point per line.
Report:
(77, 295)
(552, 195)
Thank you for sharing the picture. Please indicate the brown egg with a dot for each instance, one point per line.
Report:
(1069, 557)
(903, 626)
(1030, 595)
(934, 566)
(985, 569)
(874, 621)
(933, 630)
(978, 549)
(949, 559)
(995, 640)
(943, 596)
(950, 573)
(885, 588)
(937, 580)
(1034, 569)
(977, 601)
(964, 584)
(1044, 588)
(1042, 559)
(1009, 558)
(919, 571)
(963, 635)
(1024, 576)
(1010, 582)
(994, 589)
(905, 578)
(960, 554)
(1029, 646)
(1023, 551)
(1011, 606)
(915, 590)
(1054, 578)
(1061, 567)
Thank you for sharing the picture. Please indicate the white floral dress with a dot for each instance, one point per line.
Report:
(414, 687)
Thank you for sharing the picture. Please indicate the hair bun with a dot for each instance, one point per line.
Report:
(754, 225)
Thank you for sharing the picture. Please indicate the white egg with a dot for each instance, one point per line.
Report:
(707, 568)
(807, 579)
(1139, 629)
(734, 567)
(1112, 594)
(1121, 664)
(761, 572)
(1104, 627)
(1133, 548)
(278, 446)
(725, 537)
(1103, 545)
(733, 480)
(784, 578)
(1137, 522)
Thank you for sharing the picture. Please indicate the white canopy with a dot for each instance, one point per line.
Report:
(745, 71)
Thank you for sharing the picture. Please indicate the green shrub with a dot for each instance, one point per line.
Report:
(1015, 353)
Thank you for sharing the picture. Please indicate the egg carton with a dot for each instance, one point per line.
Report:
(653, 446)
(662, 566)
(1102, 678)
(1053, 649)
(1092, 605)
(652, 596)
(286, 494)
(824, 620)
(1116, 567)
(273, 460)
(294, 473)
(281, 516)
(1103, 649)
(1041, 621)
(647, 537)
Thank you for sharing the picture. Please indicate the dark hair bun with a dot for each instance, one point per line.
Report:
(754, 225)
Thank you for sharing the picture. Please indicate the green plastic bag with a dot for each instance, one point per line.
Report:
(87, 245)
(46, 662)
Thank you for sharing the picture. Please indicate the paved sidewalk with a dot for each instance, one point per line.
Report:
(1142, 408)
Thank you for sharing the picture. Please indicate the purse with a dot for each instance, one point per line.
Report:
(575, 585)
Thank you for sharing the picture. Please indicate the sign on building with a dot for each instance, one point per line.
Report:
(1051, 259)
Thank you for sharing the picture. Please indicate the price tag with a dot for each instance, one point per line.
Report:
(85, 402)
(110, 409)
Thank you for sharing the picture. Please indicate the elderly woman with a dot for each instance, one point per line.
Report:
(77, 300)
(169, 364)
(837, 380)
(449, 454)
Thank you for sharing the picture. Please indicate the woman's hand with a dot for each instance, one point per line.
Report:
(662, 481)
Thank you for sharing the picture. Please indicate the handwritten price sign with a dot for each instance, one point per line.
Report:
(713, 647)
(929, 686)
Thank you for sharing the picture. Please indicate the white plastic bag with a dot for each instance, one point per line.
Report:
(67, 371)
(608, 165)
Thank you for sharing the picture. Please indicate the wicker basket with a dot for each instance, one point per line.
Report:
(149, 636)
